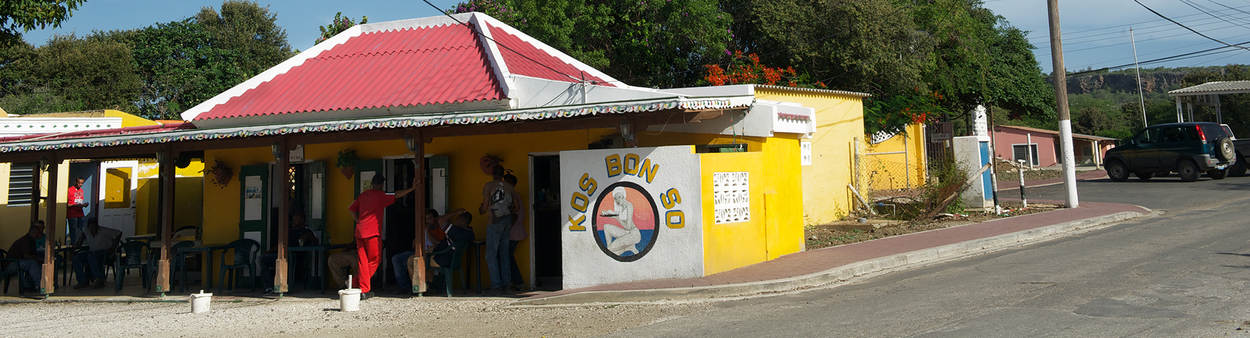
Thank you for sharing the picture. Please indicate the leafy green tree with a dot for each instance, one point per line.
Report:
(70, 74)
(181, 66)
(338, 25)
(249, 30)
(17, 16)
(656, 43)
(1092, 121)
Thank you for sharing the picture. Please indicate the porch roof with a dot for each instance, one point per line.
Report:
(181, 133)
(1214, 88)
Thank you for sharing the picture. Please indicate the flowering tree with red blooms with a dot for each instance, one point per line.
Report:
(891, 114)
(746, 69)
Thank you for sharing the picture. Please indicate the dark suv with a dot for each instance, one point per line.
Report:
(1185, 148)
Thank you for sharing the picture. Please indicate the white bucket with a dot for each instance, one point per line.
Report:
(349, 300)
(200, 302)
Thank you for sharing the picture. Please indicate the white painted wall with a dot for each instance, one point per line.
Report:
(19, 126)
(676, 252)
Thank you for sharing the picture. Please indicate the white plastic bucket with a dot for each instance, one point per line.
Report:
(349, 300)
(200, 302)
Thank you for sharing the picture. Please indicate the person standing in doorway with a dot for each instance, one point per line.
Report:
(368, 210)
(518, 232)
(497, 202)
(74, 215)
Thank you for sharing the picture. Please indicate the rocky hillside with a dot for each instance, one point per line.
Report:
(1153, 81)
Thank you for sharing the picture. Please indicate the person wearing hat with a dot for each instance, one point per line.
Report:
(368, 210)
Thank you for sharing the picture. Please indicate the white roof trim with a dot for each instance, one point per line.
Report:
(551, 50)
(271, 73)
(498, 64)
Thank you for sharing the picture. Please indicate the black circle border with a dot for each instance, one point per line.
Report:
(655, 210)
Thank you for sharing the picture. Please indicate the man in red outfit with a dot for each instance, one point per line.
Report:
(368, 209)
(74, 215)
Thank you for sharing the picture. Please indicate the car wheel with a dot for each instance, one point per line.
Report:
(1187, 170)
(1225, 149)
(1144, 175)
(1239, 168)
(1217, 174)
(1116, 171)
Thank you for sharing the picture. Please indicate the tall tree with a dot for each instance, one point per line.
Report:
(17, 16)
(248, 29)
(70, 74)
(181, 65)
(656, 43)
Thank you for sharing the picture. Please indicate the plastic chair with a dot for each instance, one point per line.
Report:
(5, 274)
(448, 272)
(130, 256)
(245, 251)
(179, 262)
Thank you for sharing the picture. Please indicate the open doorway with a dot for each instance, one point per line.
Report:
(546, 222)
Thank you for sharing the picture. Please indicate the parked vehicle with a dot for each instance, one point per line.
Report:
(1243, 149)
(1188, 149)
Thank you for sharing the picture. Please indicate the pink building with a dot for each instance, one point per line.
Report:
(1015, 142)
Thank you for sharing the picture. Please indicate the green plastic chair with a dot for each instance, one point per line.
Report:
(245, 251)
(457, 259)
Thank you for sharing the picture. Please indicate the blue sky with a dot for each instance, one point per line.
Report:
(1096, 31)
(299, 18)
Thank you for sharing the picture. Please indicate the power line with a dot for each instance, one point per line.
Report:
(1177, 57)
(1207, 12)
(497, 43)
(1187, 27)
(1141, 26)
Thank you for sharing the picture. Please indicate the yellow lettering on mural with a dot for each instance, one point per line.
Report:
(588, 184)
(579, 202)
(613, 164)
(631, 164)
(577, 223)
(676, 219)
(648, 170)
(670, 198)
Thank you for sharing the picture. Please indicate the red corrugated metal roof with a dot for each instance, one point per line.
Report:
(397, 68)
(554, 69)
(164, 127)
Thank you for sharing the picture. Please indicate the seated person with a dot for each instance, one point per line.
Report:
(89, 264)
(341, 263)
(459, 236)
(26, 251)
(298, 234)
(435, 226)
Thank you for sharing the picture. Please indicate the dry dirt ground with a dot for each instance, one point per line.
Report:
(426, 317)
(851, 231)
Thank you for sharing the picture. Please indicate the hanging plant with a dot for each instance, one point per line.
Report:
(347, 162)
(219, 174)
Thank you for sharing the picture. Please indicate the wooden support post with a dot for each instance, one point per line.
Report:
(166, 179)
(416, 144)
(47, 282)
(282, 153)
(35, 177)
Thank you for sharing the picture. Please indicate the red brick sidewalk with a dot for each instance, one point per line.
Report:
(824, 259)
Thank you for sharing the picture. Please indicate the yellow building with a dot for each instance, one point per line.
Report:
(616, 183)
(121, 200)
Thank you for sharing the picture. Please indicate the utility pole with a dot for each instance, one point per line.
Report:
(1061, 101)
(1141, 97)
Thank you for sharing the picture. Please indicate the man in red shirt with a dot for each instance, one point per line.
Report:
(368, 209)
(74, 212)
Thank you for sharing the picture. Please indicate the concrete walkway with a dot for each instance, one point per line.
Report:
(827, 266)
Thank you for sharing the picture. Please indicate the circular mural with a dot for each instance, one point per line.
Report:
(625, 221)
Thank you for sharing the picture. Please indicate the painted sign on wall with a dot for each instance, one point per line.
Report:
(630, 214)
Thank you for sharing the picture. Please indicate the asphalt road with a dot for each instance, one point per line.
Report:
(1182, 274)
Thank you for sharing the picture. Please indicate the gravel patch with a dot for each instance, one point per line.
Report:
(320, 317)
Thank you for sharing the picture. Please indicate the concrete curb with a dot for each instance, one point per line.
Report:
(838, 275)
